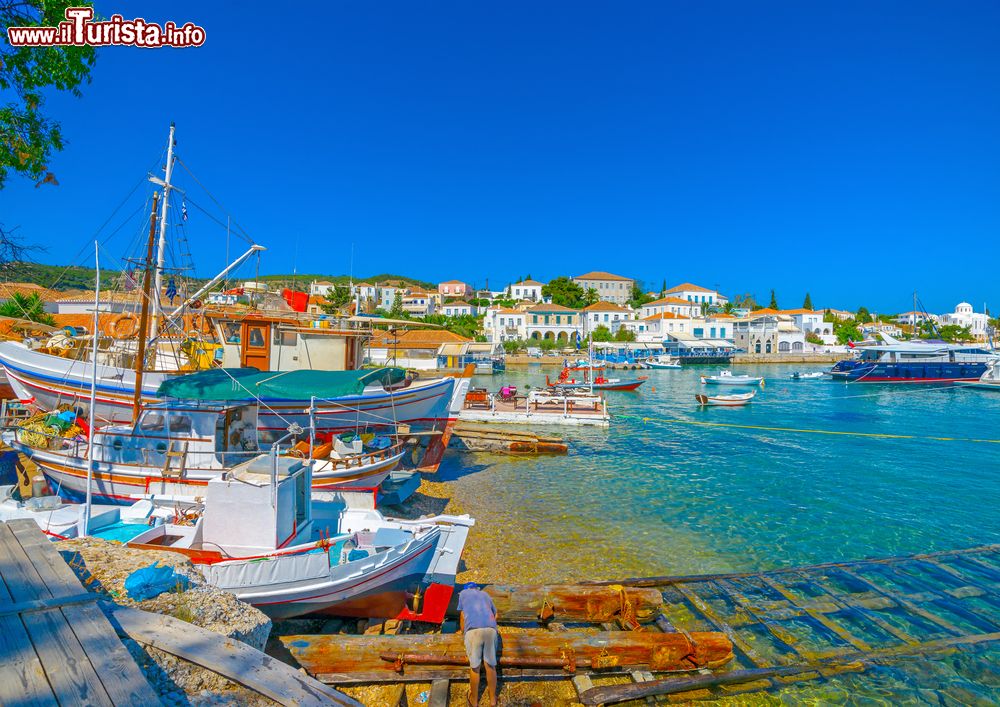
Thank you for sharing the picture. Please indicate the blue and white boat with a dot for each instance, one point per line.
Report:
(915, 362)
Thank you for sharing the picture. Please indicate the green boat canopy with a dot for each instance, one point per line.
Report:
(232, 384)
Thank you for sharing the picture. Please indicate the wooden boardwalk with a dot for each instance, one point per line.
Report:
(56, 645)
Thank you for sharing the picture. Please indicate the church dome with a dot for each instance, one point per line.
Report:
(963, 308)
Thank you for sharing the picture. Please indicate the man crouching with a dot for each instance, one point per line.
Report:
(478, 621)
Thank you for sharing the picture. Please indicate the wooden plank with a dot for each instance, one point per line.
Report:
(70, 674)
(229, 658)
(570, 602)
(26, 607)
(706, 611)
(582, 683)
(819, 616)
(439, 693)
(22, 677)
(906, 604)
(118, 672)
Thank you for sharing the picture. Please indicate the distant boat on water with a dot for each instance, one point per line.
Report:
(727, 378)
(734, 400)
(663, 361)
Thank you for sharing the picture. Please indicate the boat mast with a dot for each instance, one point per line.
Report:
(140, 356)
(85, 530)
(161, 246)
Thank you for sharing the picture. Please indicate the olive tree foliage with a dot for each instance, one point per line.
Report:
(28, 136)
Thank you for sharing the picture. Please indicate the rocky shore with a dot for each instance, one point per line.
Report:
(103, 566)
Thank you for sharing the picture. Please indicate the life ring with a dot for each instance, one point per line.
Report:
(123, 326)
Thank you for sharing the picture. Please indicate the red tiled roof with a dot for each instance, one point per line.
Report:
(600, 275)
(604, 307)
(671, 300)
(688, 287)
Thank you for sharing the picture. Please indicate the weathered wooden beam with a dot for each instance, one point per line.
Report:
(574, 603)
(394, 657)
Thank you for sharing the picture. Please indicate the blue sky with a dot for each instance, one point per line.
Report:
(845, 148)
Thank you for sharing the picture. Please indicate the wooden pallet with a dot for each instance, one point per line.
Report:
(56, 644)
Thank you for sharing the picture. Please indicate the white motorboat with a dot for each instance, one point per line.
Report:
(261, 537)
(663, 361)
(727, 378)
(726, 400)
(799, 376)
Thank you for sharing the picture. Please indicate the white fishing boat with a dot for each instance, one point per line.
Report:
(257, 537)
(727, 378)
(990, 380)
(813, 375)
(175, 448)
(726, 400)
(663, 361)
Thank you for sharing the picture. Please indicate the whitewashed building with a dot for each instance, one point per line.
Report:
(915, 318)
(696, 293)
(605, 314)
(503, 324)
(553, 322)
(768, 335)
(671, 305)
(965, 316)
(457, 309)
(527, 290)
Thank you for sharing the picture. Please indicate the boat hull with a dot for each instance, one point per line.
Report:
(49, 381)
(923, 372)
(723, 401)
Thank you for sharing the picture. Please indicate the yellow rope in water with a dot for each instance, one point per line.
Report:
(876, 435)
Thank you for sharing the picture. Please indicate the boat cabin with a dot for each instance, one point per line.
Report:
(287, 342)
(176, 436)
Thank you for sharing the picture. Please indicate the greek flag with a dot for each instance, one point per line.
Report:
(577, 341)
(184, 210)
(171, 290)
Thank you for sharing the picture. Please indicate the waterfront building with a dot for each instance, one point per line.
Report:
(609, 287)
(553, 322)
(671, 305)
(454, 288)
(768, 334)
(696, 293)
(505, 324)
(605, 314)
(457, 309)
(912, 319)
(810, 321)
(965, 316)
(415, 348)
(527, 290)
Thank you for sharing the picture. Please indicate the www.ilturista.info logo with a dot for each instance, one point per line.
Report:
(79, 30)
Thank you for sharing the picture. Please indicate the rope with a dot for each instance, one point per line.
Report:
(766, 428)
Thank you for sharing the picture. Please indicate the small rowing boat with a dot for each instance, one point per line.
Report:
(726, 400)
(727, 378)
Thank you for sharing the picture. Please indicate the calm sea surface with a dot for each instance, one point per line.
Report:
(656, 494)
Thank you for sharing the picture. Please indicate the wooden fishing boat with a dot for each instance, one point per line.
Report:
(726, 400)
(175, 448)
(261, 537)
(597, 383)
(727, 378)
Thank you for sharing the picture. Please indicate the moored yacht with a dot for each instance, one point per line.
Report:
(915, 362)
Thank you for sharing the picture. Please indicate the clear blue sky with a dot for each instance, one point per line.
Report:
(846, 148)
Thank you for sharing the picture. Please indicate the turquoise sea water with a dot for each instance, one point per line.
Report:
(655, 495)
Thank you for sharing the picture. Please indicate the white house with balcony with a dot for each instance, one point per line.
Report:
(964, 316)
(503, 324)
(696, 293)
(419, 303)
(530, 290)
(553, 322)
(768, 334)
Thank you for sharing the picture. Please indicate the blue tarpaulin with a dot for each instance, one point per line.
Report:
(153, 581)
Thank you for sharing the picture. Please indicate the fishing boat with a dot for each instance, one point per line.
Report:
(915, 361)
(800, 376)
(258, 538)
(594, 383)
(727, 378)
(175, 448)
(663, 361)
(726, 400)
(990, 380)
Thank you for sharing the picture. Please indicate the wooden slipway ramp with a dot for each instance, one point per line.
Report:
(56, 645)
(806, 623)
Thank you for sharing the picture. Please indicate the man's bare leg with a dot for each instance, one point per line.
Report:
(491, 683)
(474, 685)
